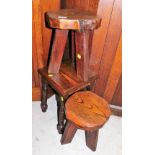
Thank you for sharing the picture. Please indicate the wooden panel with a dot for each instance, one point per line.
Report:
(116, 71)
(82, 4)
(37, 50)
(111, 43)
(117, 97)
(93, 5)
(40, 38)
(104, 11)
(36, 96)
(36, 7)
(46, 32)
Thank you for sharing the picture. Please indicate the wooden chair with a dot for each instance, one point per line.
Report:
(87, 111)
(68, 77)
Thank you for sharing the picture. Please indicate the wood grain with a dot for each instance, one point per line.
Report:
(105, 39)
(47, 5)
(57, 50)
(104, 11)
(36, 7)
(117, 97)
(111, 43)
(40, 39)
(36, 94)
(115, 73)
(69, 133)
(87, 110)
(82, 50)
(91, 139)
(90, 5)
(106, 34)
(36, 41)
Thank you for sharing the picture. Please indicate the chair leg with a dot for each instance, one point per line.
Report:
(91, 139)
(69, 133)
(44, 105)
(60, 114)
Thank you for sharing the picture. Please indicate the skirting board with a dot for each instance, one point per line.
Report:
(116, 110)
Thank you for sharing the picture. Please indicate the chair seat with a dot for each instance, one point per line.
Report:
(73, 19)
(87, 110)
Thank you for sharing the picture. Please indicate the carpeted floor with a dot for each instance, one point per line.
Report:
(46, 140)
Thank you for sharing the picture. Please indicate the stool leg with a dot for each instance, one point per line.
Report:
(82, 54)
(90, 41)
(44, 95)
(73, 46)
(57, 52)
(69, 133)
(91, 139)
(60, 114)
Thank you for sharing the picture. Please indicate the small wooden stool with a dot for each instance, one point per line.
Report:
(85, 110)
(68, 77)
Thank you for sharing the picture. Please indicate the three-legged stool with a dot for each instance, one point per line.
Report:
(87, 111)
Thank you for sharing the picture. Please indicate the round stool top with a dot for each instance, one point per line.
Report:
(74, 19)
(87, 110)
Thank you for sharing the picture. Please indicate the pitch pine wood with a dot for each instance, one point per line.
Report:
(87, 110)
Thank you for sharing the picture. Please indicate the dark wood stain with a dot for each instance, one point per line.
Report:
(105, 39)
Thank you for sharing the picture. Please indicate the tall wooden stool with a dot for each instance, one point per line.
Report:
(67, 77)
(85, 110)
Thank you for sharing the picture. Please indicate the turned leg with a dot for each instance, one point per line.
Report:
(60, 113)
(69, 133)
(44, 95)
(91, 139)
